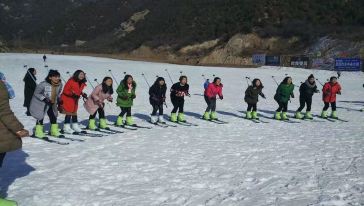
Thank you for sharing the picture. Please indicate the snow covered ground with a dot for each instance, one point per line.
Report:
(240, 163)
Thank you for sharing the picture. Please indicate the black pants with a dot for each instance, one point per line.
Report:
(67, 119)
(252, 106)
(327, 105)
(303, 102)
(125, 110)
(156, 108)
(211, 104)
(2, 156)
(283, 107)
(101, 114)
(51, 115)
(177, 105)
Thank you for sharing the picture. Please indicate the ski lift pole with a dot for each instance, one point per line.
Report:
(116, 81)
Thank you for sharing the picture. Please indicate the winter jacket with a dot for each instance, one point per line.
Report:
(284, 92)
(178, 92)
(71, 94)
(251, 94)
(157, 94)
(29, 88)
(96, 99)
(9, 124)
(213, 90)
(38, 108)
(307, 90)
(125, 98)
(329, 91)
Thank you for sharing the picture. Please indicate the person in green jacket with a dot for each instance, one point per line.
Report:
(282, 96)
(126, 96)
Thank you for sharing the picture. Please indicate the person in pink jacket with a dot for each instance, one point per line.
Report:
(95, 103)
(214, 89)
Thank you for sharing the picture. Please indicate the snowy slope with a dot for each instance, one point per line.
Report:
(240, 163)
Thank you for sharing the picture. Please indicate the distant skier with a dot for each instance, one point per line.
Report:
(329, 92)
(29, 87)
(71, 94)
(95, 103)
(157, 96)
(45, 100)
(307, 90)
(44, 58)
(126, 96)
(11, 131)
(214, 89)
(282, 96)
(251, 98)
(206, 84)
(178, 91)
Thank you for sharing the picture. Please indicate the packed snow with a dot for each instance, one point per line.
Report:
(239, 163)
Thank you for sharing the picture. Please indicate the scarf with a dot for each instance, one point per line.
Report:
(310, 85)
(8, 86)
(54, 91)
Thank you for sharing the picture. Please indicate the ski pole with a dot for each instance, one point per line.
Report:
(145, 79)
(90, 82)
(26, 67)
(247, 80)
(203, 76)
(96, 81)
(319, 82)
(169, 75)
(275, 80)
(113, 77)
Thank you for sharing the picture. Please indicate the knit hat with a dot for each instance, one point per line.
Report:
(311, 76)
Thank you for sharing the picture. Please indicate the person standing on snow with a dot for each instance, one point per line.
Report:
(71, 94)
(95, 103)
(11, 129)
(282, 96)
(126, 96)
(178, 92)
(30, 83)
(329, 92)
(214, 89)
(251, 98)
(44, 58)
(157, 97)
(45, 100)
(307, 90)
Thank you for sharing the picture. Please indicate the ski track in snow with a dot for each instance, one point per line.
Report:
(240, 163)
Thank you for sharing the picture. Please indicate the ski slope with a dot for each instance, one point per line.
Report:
(240, 163)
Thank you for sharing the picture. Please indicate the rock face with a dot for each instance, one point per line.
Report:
(3, 47)
(129, 25)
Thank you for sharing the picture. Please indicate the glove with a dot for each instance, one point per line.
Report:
(339, 92)
(22, 133)
(292, 95)
(75, 96)
(263, 96)
(221, 97)
(163, 99)
(109, 99)
(47, 101)
(125, 97)
(317, 91)
(133, 96)
(84, 95)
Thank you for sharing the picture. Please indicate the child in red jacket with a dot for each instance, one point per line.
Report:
(329, 92)
(72, 92)
(213, 89)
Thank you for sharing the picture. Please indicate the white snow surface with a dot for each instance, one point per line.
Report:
(240, 163)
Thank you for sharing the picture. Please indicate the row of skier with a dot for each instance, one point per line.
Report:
(49, 97)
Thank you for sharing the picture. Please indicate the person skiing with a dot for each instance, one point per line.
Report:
(178, 92)
(44, 58)
(45, 100)
(214, 89)
(251, 98)
(157, 97)
(10, 128)
(126, 96)
(95, 103)
(282, 96)
(30, 83)
(307, 90)
(72, 91)
(206, 84)
(329, 92)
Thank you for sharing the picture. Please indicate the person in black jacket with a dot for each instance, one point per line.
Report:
(178, 92)
(307, 90)
(157, 96)
(29, 87)
(251, 98)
